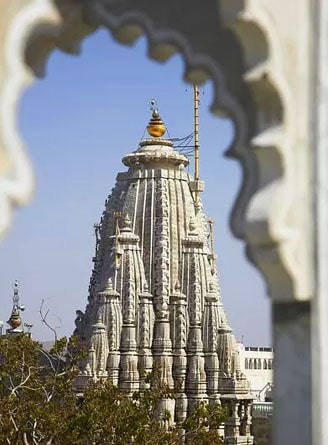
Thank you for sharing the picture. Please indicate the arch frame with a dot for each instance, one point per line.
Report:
(249, 86)
(258, 54)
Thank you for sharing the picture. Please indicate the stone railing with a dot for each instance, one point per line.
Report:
(262, 409)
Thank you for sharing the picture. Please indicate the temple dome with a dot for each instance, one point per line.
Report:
(156, 152)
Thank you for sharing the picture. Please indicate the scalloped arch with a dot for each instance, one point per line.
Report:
(232, 47)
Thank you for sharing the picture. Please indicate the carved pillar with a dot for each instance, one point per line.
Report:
(232, 426)
(90, 366)
(229, 424)
(145, 326)
(243, 419)
(112, 318)
(196, 377)
(128, 373)
(210, 332)
(162, 345)
(246, 418)
(179, 327)
(225, 350)
(100, 344)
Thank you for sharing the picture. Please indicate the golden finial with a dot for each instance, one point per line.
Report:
(14, 321)
(156, 127)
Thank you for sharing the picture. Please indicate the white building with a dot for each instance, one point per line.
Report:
(257, 364)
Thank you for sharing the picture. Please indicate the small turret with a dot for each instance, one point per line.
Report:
(15, 320)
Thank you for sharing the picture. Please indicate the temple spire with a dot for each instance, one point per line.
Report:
(117, 217)
(160, 299)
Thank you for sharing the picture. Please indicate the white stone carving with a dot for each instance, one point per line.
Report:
(184, 336)
(31, 30)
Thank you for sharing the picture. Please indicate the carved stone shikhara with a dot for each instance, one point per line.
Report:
(154, 290)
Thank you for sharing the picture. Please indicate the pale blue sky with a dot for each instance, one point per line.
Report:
(77, 123)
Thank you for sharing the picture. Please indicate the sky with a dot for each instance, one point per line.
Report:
(77, 124)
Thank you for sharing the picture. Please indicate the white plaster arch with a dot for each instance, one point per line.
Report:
(36, 18)
(234, 44)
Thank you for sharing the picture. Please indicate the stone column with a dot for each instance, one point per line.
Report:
(179, 325)
(292, 374)
(162, 345)
(196, 377)
(112, 318)
(210, 333)
(146, 326)
(128, 373)
(99, 341)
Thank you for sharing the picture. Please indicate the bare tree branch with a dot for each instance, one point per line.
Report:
(26, 442)
(44, 319)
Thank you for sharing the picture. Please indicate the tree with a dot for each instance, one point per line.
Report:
(38, 404)
(35, 391)
(107, 417)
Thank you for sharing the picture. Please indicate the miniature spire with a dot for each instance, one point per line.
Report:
(117, 217)
(126, 223)
(156, 127)
(192, 224)
(96, 228)
(146, 286)
(15, 320)
(109, 285)
(177, 286)
(211, 286)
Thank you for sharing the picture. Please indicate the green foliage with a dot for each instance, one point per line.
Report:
(106, 416)
(203, 424)
(35, 391)
(38, 404)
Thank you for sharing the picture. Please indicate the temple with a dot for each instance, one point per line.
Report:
(154, 296)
